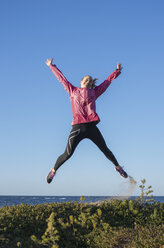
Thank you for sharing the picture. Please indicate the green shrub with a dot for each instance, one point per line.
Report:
(113, 224)
(116, 223)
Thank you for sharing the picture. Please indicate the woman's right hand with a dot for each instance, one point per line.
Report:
(49, 61)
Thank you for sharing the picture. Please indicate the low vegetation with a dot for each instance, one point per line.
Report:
(115, 224)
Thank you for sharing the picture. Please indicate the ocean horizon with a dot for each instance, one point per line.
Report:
(10, 200)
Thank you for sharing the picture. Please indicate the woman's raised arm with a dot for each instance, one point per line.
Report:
(100, 89)
(59, 75)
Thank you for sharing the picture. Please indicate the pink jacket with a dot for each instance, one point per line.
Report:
(83, 99)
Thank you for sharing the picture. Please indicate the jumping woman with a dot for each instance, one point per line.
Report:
(85, 118)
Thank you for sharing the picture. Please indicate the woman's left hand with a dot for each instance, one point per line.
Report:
(119, 66)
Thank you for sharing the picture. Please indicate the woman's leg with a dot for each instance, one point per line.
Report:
(74, 138)
(96, 136)
(98, 139)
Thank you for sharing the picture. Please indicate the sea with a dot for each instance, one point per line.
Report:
(7, 200)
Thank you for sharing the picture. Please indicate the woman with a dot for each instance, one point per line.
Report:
(85, 118)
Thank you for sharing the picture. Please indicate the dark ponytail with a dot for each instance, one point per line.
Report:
(94, 82)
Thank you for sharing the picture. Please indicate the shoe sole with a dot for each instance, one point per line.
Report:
(50, 179)
(122, 175)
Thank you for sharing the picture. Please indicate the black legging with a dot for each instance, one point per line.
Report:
(80, 132)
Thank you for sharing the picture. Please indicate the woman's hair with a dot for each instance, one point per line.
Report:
(91, 80)
(94, 82)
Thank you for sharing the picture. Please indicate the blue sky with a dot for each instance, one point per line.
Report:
(83, 37)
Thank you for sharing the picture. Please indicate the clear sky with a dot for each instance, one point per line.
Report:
(83, 37)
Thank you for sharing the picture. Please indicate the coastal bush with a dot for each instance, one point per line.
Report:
(112, 224)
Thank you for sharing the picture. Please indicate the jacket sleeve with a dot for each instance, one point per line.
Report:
(100, 89)
(58, 74)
